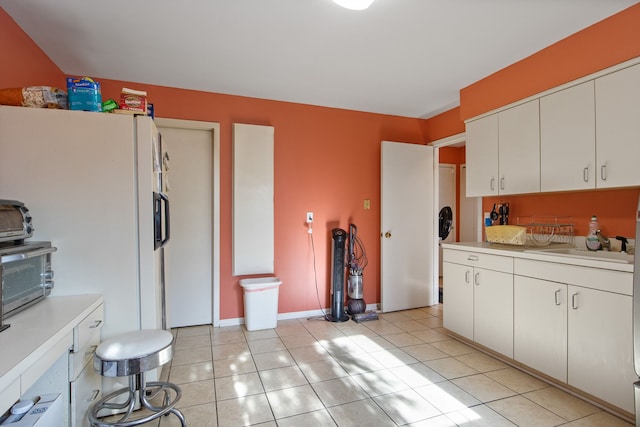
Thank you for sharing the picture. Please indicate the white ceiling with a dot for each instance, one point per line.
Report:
(400, 57)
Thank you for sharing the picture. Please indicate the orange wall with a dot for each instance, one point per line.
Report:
(606, 43)
(23, 62)
(444, 124)
(616, 209)
(326, 161)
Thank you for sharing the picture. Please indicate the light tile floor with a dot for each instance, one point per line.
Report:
(399, 370)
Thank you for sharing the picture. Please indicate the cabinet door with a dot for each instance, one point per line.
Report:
(601, 345)
(568, 139)
(482, 156)
(519, 149)
(84, 391)
(618, 128)
(540, 325)
(493, 310)
(458, 294)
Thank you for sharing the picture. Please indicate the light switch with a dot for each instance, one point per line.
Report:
(367, 204)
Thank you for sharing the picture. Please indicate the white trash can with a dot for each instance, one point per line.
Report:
(261, 302)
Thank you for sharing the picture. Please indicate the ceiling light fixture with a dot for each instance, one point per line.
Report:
(354, 4)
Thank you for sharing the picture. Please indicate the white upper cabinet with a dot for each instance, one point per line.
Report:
(579, 137)
(503, 152)
(618, 128)
(568, 139)
(519, 153)
(482, 156)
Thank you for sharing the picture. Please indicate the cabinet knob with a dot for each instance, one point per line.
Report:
(585, 174)
(387, 235)
(574, 301)
(603, 172)
(557, 297)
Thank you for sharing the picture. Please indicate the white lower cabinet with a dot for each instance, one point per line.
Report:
(493, 310)
(576, 334)
(85, 389)
(540, 325)
(600, 346)
(478, 298)
(85, 383)
(457, 291)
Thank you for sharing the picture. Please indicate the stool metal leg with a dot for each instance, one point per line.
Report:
(146, 392)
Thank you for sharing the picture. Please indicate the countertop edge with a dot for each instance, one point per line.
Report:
(519, 252)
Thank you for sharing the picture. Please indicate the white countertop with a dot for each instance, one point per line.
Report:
(38, 329)
(523, 252)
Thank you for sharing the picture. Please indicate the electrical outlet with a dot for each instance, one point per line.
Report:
(309, 217)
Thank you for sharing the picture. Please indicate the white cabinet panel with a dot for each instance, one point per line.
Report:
(568, 139)
(482, 156)
(540, 325)
(519, 154)
(478, 298)
(503, 152)
(618, 128)
(600, 347)
(84, 391)
(253, 215)
(458, 298)
(493, 310)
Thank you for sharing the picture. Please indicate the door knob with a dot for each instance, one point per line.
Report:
(387, 235)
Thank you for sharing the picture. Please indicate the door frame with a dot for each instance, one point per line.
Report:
(215, 176)
(458, 139)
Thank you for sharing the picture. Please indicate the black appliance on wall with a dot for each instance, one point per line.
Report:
(338, 243)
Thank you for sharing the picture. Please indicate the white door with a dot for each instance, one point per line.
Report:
(408, 278)
(447, 197)
(470, 207)
(188, 256)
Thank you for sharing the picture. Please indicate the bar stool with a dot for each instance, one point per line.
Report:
(132, 354)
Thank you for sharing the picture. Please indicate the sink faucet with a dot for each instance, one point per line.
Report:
(604, 241)
(624, 241)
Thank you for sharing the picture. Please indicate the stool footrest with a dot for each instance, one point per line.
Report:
(150, 391)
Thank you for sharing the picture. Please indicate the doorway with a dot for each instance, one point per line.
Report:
(447, 195)
(192, 256)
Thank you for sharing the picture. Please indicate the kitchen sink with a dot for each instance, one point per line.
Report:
(619, 257)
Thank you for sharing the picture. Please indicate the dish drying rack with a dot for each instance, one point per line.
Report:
(544, 230)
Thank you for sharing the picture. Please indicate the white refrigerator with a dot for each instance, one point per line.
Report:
(89, 181)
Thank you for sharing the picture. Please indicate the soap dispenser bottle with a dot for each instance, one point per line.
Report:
(593, 243)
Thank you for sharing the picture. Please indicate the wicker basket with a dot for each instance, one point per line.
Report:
(506, 234)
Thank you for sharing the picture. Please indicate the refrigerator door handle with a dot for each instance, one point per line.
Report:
(167, 222)
(161, 220)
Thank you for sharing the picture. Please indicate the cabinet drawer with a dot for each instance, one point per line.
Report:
(620, 282)
(477, 259)
(86, 337)
(85, 390)
(79, 359)
(88, 329)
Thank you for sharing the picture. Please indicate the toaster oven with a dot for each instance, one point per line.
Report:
(25, 274)
(15, 221)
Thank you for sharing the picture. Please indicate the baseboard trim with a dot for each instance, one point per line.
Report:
(309, 314)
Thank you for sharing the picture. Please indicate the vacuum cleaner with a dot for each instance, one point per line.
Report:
(357, 261)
